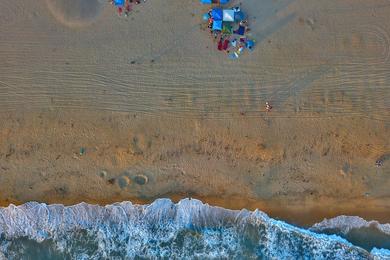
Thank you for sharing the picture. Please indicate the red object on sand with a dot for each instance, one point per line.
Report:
(220, 45)
(225, 44)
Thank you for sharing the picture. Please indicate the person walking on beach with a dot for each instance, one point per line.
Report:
(268, 106)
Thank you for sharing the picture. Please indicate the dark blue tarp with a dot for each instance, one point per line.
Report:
(217, 14)
(240, 30)
(239, 16)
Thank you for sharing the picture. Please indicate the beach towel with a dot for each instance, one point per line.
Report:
(227, 29)
(225, 44)
(220, 47)
(233, 56)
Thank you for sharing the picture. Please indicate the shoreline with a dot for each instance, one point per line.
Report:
(293, 213)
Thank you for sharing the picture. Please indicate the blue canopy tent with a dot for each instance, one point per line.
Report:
(217, 14)
(119, 2)
(217, 26)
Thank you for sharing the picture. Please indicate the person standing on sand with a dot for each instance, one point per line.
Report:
(268, 106)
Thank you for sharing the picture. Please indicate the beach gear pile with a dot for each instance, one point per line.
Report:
(229, 28)
(124, 7)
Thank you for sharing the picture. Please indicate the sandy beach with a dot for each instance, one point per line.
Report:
(100, 108)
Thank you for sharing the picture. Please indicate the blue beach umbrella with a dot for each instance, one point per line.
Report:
(206, 17)
(250, 44)
(119, 2)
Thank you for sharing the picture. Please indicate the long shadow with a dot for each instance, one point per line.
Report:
(264, 12)
(274, 27)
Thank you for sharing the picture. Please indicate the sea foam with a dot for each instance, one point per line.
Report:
(188, 229)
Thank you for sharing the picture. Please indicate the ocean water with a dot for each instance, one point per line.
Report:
(189, 229)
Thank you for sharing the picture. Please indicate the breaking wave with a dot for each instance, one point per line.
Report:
(188, 229)
(366, 234)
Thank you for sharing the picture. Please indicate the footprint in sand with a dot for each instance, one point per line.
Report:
(76, 13)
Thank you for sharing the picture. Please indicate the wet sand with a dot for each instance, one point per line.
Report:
(89, 104)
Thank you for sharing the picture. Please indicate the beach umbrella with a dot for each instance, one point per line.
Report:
(119, 2)
(228, 15)
(250, 44)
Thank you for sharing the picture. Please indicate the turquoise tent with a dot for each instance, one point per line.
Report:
(217, 26)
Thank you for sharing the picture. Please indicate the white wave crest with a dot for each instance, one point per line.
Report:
(346, 223)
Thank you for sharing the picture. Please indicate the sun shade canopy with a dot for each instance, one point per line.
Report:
(217, 14)
(228, 15)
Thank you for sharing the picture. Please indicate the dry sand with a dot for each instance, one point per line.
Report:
(151, 96)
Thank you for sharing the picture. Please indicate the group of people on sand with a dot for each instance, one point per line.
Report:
(127, 7)
(231, 40)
